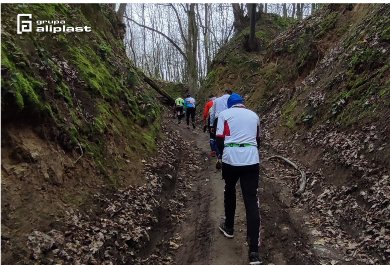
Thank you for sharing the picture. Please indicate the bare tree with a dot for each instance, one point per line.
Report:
(252, 35)
(121, 11)
(293, 11)
(284, 10)
(191, 48)
(239, 18)
(189, 39)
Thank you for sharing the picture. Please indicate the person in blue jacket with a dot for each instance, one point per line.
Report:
(190, 106)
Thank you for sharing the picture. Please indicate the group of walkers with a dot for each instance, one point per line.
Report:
(234, 140)
(186, 107)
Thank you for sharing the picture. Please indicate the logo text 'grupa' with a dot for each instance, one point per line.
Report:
(48, 26)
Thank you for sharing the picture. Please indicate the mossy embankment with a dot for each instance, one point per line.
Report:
(76, 117)
(235, 67)
(81, 83)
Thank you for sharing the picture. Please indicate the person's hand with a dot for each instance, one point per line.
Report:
(212, 129)
(204, 128)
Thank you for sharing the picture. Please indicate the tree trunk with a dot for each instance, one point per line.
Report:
(121, 11)
(112, 6)
(293, 11)
(191, 50)
(284, 10)
(238, 14)
(313, 8)
(207, 38)
(156, 87)
(252, 34)
(265, 8)
(300, 11)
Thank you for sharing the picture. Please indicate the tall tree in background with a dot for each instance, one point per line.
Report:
(167, 42)
(190, 40)
(284, 10)
(205, 27)
(252, 44)
(192, 48)
(293, 11)
(121, 11)
(300, 11)
(239, 18)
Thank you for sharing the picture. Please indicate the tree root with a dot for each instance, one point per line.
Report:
(81, 155)
(302, 181)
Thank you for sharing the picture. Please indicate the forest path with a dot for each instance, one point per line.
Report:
(283, 240)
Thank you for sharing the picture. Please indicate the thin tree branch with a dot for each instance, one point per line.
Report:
(179, 22)
(185, 9)
(215, 38)
(162, 34)
(230, 32)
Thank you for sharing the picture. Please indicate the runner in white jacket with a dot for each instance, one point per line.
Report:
(238, 138)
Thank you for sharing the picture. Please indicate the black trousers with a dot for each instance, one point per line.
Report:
(249, 181)
(219, 153)
(190, 112)
(179, 112)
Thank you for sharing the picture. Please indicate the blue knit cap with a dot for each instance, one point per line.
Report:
(234, 99)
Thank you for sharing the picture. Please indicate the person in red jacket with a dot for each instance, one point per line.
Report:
(207, 126)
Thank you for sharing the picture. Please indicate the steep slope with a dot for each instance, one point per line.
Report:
(233, 65)
(322, 90)
(76, 117)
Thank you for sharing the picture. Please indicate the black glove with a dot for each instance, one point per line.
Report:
(204, 128)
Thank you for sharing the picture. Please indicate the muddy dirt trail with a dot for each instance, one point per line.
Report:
(283, 236)
(174, 217)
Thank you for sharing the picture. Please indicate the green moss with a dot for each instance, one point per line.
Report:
(327, 24)
(288, 118)
(385, 91)
(95, 73)
(263, 36)
(210, 78)
(74, 135)
(102, 120)
(175, 89)
(355, 111)
(24, 90)
(104, 50)
(63, 91)
(385, 35)
(88, 72)
(132, 79)
(20, 82)
(272, 75)
(75, 119)
(284, 22)
(367, 59)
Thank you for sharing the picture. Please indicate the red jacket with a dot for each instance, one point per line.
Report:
(206, 110)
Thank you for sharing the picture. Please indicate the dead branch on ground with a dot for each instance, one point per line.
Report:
(302, 181)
